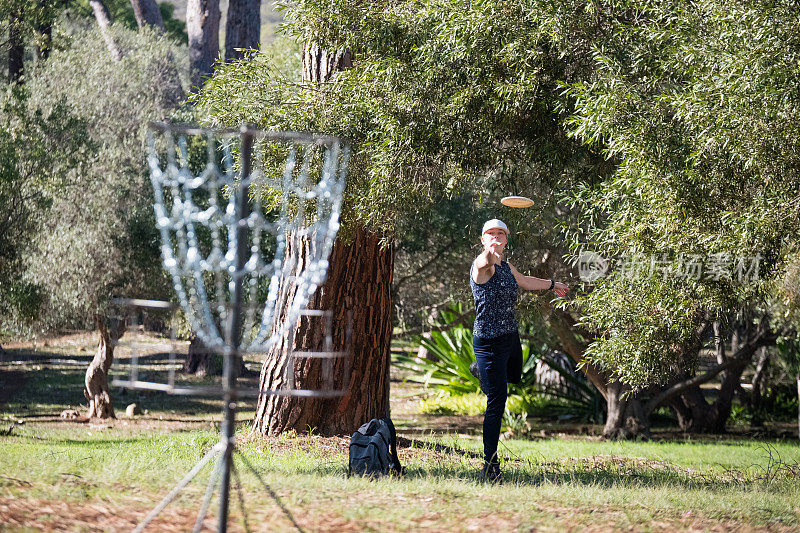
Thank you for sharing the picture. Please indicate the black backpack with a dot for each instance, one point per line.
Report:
(373, 449)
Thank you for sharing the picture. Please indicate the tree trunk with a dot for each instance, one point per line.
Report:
(45, 30)
(758, 384)
(243, 28)
(16, 47)
(319, 65)
(731, 383)
(694, 413)
(626, 417)
(97, 391)
(359, 286)
(202, 361)
(147, 13)
(686, 398)
(202, 25)
(104, 21)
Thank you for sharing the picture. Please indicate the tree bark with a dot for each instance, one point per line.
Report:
(104, 21)
(45, 29)
(243, 28)
(319, 65)
(201, 361)
(97, 391)
(686, 398)
(16, 47)
(758, 383)
(202, 25)
(147, 13)
(626, 415)
(358, 286)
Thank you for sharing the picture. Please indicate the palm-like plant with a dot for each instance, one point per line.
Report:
(450, 353)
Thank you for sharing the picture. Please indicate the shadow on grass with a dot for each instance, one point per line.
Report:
(46, 384)
(443, 463)
(616, 478)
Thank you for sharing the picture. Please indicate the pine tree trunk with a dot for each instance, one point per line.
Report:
(45, 31)
(16, 48)
(104, 22)
(242, 28)
(97, 391)
(147, 13)
(357, 290)
(202, 25)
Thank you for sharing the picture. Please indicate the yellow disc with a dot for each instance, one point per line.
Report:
(516, 201)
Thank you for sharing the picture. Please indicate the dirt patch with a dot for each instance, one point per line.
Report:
(58, 515)
(77, 339)
(142, 424)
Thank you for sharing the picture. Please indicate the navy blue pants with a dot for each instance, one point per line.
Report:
(499, 363)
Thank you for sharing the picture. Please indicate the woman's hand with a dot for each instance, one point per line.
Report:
(494, 254)
(560, 288)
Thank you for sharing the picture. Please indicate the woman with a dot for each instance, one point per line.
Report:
(495, 284)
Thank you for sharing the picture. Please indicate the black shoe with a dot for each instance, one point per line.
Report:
(473, 369)
(491, 473)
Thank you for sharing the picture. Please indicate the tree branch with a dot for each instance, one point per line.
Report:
(104, 21)
(428, 263)
(741, 357)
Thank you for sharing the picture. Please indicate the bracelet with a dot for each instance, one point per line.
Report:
(552, 284)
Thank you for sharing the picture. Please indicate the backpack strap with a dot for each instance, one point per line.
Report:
(398, 469)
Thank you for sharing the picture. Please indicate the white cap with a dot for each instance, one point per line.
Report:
(495, 224)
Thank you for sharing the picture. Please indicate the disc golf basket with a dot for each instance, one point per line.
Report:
(233, 208)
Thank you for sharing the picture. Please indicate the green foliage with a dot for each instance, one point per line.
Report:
(450, 353)
(28, 19)
(38, 151)
(98, 238)
(121, 12)
(435, 100)
(697, 104)
(446, 368)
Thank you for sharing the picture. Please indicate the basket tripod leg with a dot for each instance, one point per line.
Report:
(218, 448)
(212, 484)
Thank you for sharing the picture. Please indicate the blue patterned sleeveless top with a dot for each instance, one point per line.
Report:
(495, 303)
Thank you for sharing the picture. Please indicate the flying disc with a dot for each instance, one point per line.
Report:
(516, 201)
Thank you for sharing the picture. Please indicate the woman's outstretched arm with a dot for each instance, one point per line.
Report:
(530, 283)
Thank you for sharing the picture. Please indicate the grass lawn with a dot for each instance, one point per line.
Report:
(65, 475)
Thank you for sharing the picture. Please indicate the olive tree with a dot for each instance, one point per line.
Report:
(38, 152)
(99, 239)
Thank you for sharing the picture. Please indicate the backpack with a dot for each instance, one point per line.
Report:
(373, 449)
